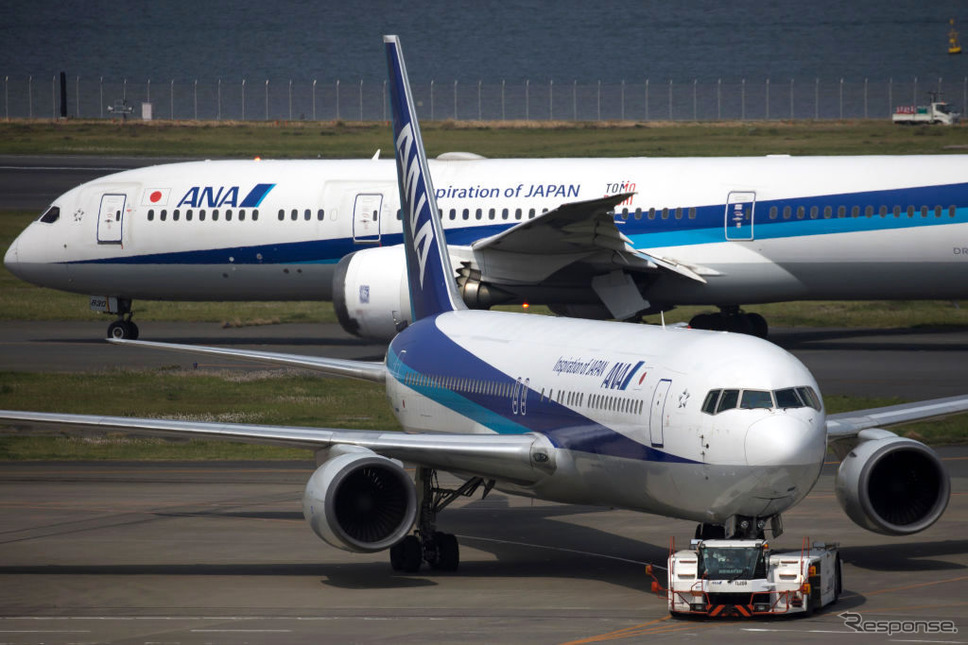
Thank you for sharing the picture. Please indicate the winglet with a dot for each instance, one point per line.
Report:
(431, 277)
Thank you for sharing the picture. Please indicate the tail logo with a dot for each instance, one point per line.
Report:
(419, 208)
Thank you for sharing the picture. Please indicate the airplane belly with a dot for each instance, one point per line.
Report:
(203, 282)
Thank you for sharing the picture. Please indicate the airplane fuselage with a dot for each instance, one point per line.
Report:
(623, 407)
(761, 229)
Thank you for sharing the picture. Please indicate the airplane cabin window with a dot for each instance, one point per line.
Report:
(201, 215)
(50, 216)
(163, 215)
(466, 213)
(772, 212)
(910, 211)
(188, 215)
(490, 214)
(651, 213)
(478, 213)
(756, 399)
(282, 214)
(228, 215)
(855, 211)
(504, 213)
(174, 215)
(678, 212)
(787, 212)
(827, 212)
(727, 401)
(924, 211)
(151, 215)
(638, 213)
(709, 405)
(692, 213)
(308, 215)
(952, 210)
(517, 213)
(665, 213)
(841, 211)
(801, 211)
(294, 214)
(530, 213)
(214, 214)
(869, 211)
(625, 214)
(814, 211)
(242, 215)
(882, 211)
(321, 215)
(897, 211)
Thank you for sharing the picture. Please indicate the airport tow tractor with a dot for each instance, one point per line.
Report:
(746, 578)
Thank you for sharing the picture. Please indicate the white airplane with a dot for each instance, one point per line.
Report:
(720, 231)
(722, 429)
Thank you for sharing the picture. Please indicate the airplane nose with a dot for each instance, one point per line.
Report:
(11, 259)
(783, 440)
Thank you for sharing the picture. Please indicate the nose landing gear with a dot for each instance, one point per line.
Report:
(123, 327)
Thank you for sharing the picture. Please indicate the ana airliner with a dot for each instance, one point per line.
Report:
(723, 232)
(722, 429)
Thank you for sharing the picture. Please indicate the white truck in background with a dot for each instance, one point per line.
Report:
(746, 578)
(935, 112)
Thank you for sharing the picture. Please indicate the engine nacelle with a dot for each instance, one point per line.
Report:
(370, 292)
(361, 502)
(892, 485)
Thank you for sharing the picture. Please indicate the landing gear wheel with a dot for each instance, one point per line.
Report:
(405, 555)
(123, 329)
(447, 552)
(758, 325)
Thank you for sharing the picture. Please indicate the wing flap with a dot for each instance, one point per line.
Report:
(579, 229)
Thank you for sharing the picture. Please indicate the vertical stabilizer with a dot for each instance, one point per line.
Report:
(432, 286)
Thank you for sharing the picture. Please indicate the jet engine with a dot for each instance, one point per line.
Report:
(370, 292)
(892, 485)
(361, 502)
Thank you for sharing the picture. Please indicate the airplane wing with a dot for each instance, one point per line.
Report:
(578, 229)
(363, 370)
(507, 457)
(847, 425)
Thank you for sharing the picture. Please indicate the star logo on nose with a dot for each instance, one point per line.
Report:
(78, 215)
(683, 398)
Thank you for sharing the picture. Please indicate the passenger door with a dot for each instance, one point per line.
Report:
(110, 221)
(366, 218)
(740, 207)
(657, 414)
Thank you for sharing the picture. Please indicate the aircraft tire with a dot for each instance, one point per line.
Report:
(123, 329)
(405, 555)
(448, 552)
(758, 325)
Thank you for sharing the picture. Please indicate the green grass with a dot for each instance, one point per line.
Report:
(267, 397)
(492, 139)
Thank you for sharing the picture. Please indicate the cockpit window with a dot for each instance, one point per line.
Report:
(788, 398)
(756, 400)
(51, 216)
(728, 400)
(810, 397)
(717, 401)
(709, 405)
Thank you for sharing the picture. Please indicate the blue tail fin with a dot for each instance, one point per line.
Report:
(432, 286)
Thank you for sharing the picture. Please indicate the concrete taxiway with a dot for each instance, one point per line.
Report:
(219, 553)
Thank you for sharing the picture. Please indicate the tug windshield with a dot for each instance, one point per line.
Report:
(732, 563)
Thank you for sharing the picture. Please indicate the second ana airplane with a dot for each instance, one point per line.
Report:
(724, 232)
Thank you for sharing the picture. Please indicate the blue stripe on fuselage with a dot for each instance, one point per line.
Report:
(432, 360)
(707, 227)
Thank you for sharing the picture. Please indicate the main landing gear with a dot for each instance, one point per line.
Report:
(732, 319)
(123, 327)
(426, 544)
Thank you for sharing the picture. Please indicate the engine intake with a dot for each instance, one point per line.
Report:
(893, 485)
(360, 502)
